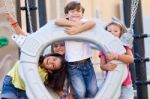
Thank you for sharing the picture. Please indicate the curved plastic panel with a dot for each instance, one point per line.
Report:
(35, 43)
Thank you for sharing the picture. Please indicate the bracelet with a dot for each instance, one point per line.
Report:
(14, 23)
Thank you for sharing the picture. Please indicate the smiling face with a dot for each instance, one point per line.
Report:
(74, 11)
(58, 47)
(74, 15)
(52, 63)
(114, 29)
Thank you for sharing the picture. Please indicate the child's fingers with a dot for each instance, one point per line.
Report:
(68, 30)
(111, 66)
(8, 15)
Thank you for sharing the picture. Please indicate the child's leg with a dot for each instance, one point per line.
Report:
(90, 79)
(22, 94)
(77, 81)
(10, 92)
(127, 92)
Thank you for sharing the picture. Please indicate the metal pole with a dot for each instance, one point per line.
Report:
(142, 92)
(127, 11)
(42, 12)
(18, 12)
(32, 6)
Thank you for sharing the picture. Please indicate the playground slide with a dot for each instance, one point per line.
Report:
(35, 43)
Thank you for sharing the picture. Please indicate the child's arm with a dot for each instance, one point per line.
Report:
(75, 27)
(84, 27)
(13, 22)
(106, 66)
(65, 22)
(126, 58)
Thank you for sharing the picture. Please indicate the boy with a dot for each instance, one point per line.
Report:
(78, 54)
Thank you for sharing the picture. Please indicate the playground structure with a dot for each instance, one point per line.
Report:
(31, 30)
(105, 41)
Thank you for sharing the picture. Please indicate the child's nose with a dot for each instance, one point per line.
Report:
(76, 12)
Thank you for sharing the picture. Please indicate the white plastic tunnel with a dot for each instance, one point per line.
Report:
(36, 42)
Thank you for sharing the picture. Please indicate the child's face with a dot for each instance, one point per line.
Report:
(52, 63)
(115, 30)
(74, 15)
(59, 47)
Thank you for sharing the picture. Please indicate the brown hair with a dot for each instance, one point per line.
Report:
(121, 26)
(61, 57)
(56, 79)
(52, 46)
(73, 5)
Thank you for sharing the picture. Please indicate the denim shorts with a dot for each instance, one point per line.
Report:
(10, 92)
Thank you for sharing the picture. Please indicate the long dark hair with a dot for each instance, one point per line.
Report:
(56, 79)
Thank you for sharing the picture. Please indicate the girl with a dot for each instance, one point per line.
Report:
(56, 47)
(117, 29)
(50, 66)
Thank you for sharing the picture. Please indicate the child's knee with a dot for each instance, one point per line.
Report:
(80, 93)
(92, 92)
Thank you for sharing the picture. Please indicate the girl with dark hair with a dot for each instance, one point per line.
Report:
(50, 66)
(55, 79)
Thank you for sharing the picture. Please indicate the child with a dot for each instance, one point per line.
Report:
(67, 93)
(13, 22)
(117, 29)
(57, 47)
(78, 54)
(49, 66)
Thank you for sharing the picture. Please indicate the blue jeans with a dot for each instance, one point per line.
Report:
(10, 92)
(83, 79)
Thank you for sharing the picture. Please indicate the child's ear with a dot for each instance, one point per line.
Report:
(82, 15)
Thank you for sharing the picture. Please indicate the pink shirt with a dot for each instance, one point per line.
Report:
(128, 80)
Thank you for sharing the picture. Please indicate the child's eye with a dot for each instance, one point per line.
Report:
(79, 10)
(54, 59)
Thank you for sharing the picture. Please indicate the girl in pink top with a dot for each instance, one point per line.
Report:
(117, 29)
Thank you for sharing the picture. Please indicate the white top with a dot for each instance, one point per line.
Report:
(76, 51)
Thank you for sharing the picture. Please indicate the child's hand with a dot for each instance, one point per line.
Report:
(77, 24)
(108, 67)
(70, 97)
(112, 56)
(10, 18)
(72, 30)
